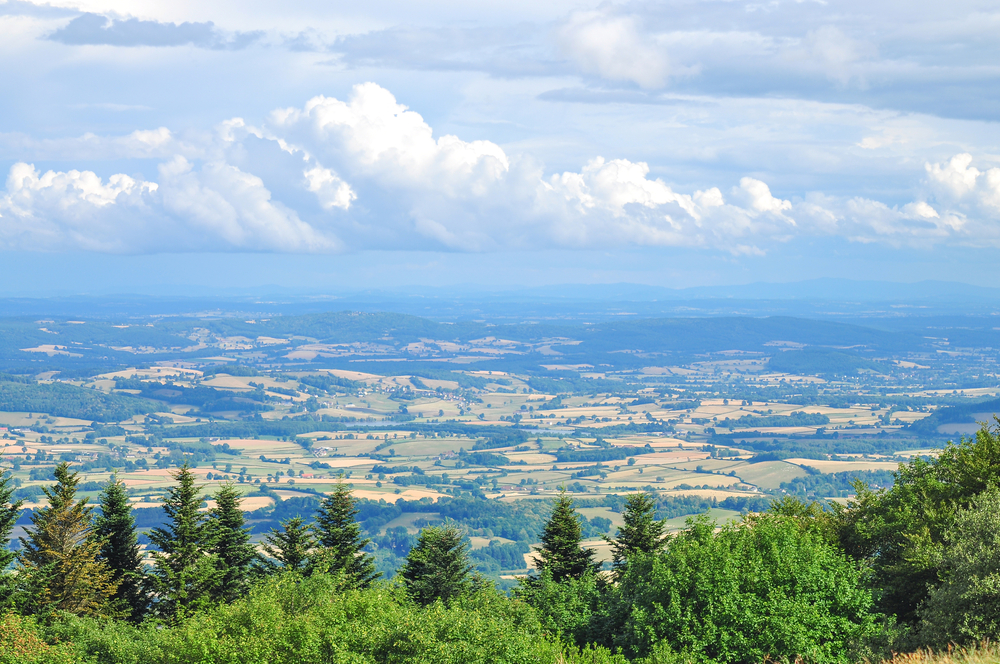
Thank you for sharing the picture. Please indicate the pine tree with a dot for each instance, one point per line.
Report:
(231, 547)
(561, 553)
(59, 561)
(114, 527)
(184, 573)
(339, 535)
(437, 567)
(9, 512)
(291, 546)
(641, 532)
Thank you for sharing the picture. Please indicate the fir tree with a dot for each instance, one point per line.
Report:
(291, 546)
(115, 528)
(184, 573)
(339, 535)
(59, 562)
(561, 553)
(437, 567)
(231, 547)
(641, 532)
(9, 511)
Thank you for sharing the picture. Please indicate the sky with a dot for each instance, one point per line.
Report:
(181, 146)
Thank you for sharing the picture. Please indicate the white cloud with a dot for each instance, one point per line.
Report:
(614, 47)
(367, 172)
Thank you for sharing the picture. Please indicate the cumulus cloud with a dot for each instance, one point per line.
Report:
(97, 29)
(367, 172)
(613, 47)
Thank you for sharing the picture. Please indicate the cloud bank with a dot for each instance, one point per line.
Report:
(366, 172)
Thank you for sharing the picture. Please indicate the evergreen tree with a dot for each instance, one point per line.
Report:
(561, 553)
(291, 546)
(184, 573)
(641, 532)
(437, 567)
(231, 547)
(339, 535)
(9, 511)
(114, 527)
(59, 561)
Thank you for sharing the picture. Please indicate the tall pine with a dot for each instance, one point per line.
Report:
(184, 573)
(561, 553)
(291, 546)
(641, 532)
(339, 535)
(59, 561)
(9, 511)
(234, 554)
(114, 527)
(437, 568)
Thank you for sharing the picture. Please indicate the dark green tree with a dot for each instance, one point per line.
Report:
(291, 546)
(437, 568)
(641, 532)
(900, 532)
(60, 568)
(339, 535)
(184, 573)
(9, 511)
(561, 554)
(769, 588)
(114, 527)
(965, 607)
(234, 554)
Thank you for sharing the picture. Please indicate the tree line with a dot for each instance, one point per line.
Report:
(894, 569)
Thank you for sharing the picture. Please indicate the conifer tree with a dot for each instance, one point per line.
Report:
(437, 567)
(339, 535)
(59, 560)
(9, 511)
(641, 532)
(561, 553)
(291, 546)
(184, 573)
(114, 527)
(231, 547)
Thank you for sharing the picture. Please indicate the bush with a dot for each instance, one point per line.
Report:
(769, 588)
(288, 619)
(20, 643)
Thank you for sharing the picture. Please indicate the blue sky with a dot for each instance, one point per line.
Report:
(342, 145)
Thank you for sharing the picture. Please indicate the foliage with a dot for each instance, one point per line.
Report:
(900, 532)
(230, 545)
(437, 568)
(561, 554)
(9, 512)
(771, 587)
(289, 620)
(339, 535)
(20, 643)
(184, 574)
(965, 607)
(114, 528)
(640, 534)
(290, 548)
(59, 564)
(63, 400)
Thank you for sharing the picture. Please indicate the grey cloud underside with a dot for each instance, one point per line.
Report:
(96, 29)
(22, 8)
(939, 60)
